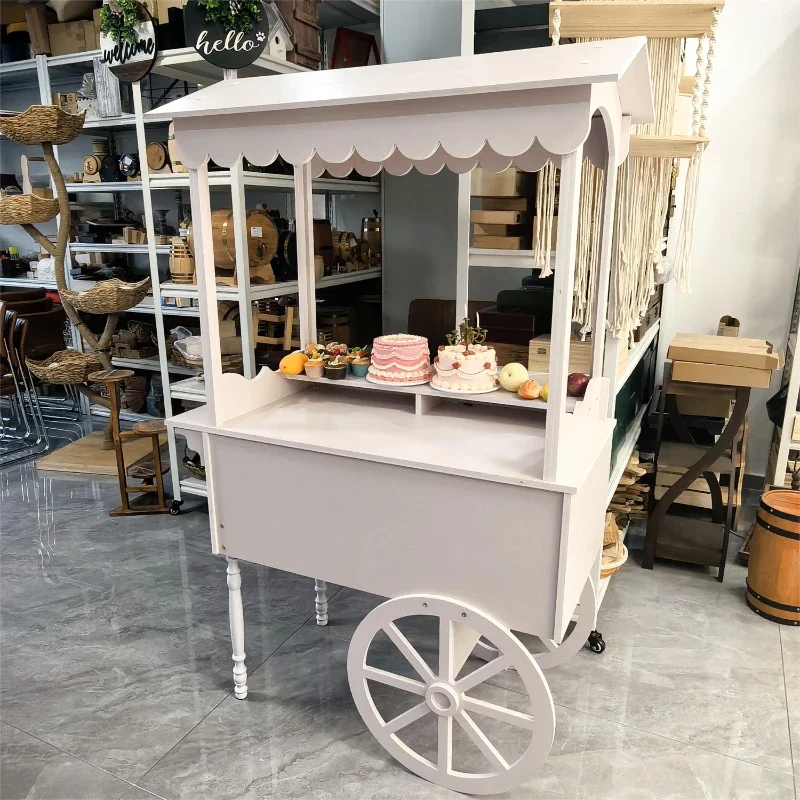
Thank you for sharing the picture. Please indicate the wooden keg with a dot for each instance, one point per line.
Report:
(262, 238)
(157, 156)
(371, 237)
(181, 262)
(773, 570)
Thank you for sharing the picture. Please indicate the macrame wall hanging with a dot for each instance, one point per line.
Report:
(643, 192)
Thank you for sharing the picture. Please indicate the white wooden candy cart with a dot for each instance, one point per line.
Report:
(486, 514)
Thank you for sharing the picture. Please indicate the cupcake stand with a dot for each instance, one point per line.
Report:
(487, 513)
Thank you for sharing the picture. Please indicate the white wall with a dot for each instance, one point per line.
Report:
(747, 231)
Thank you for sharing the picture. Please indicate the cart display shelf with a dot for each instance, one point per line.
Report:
(194, 486)
(193, 389)
(267, 290)
(511, 502)
(499, 398)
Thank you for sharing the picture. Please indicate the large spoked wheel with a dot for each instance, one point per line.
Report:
(577, 635)
(449, 698)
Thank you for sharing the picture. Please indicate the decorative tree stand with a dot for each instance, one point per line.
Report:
(48, 126)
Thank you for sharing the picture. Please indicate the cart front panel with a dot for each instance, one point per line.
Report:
(390, 530)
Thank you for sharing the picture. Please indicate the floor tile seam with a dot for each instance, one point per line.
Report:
(676, 741)
(71, 754)
(744, 612)
(215, 707)
(788, 716)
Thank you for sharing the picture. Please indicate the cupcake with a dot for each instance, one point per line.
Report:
(336, 369)
(360, 366)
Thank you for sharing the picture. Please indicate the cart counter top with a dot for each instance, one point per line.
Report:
(492, 444)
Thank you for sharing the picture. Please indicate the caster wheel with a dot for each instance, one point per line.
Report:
(555, 654)
(450, 701)
(597, 644)
(175, 508)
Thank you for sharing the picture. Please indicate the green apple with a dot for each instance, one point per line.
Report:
(512, 376)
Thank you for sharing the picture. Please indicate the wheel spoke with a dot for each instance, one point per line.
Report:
(407, 649)
(407, 717)
(446, 649)
(488, 670)
(482, 743)
(397, 681)
(500, 713)
(445, 744)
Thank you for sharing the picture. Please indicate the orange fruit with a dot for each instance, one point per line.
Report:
(545, 392)
(293, 363)
(530, 390)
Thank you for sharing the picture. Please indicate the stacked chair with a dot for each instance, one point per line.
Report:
(31, 326)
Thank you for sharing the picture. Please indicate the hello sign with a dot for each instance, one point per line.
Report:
(227, 49)
(131, 61)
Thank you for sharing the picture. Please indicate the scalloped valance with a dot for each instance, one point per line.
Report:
(496, 110)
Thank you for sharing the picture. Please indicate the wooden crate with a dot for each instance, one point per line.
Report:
(580, 356)
(502, 242)
(511, 183)
(509, 353)
(303, 22)
(507, 204)
(143, 351)
(505, 217)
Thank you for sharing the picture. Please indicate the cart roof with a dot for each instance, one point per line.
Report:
(503, 102)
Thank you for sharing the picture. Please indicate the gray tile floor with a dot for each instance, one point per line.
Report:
(116, 675)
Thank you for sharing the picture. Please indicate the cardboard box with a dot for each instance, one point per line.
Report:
(724, 351)
(67, 101)
(721, 374)
(715, 407)
(37, 18)
(96, 23)
(72, 37)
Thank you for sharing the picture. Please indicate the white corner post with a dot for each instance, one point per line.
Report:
(236, 614)
(464, 183)
(306, 281)
(239, 209)
(321, 602)
(566, 246)
(206, 283)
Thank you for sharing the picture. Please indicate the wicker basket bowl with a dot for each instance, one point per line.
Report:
(66, 366)
(613, 559)
(26, 209)
(41, 124)
(109, 297)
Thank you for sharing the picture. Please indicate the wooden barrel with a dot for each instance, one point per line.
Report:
(371, 237)
(262, 238)
(773, 571)
(181, 262)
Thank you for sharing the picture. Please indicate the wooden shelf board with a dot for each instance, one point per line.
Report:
(647, 146)
(598, 19)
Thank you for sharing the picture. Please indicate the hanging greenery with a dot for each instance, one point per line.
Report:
(120, 25)
(239, 15)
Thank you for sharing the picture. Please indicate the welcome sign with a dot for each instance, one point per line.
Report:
(131, 60)
(227, 49)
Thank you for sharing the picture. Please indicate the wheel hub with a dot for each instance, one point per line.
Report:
(442, 699)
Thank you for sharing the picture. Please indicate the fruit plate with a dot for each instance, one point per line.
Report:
(457, 393)
(397, 383)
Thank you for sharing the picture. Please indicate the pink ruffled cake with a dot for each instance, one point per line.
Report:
(400, 359)
(465, 369)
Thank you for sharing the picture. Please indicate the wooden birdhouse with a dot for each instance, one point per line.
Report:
(280, 37)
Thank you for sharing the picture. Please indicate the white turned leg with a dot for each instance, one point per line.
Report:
(236, 613)
(322, 602)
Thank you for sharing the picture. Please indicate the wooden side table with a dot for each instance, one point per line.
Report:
(152, 475)
(685, 538)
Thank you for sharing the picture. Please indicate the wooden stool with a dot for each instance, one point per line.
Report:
(151, 473)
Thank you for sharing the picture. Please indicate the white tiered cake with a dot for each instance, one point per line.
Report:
(466, 364)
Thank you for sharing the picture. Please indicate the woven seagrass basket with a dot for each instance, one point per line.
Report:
(66, 366)
(26, 209)
(108, 297)
(39, 124)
